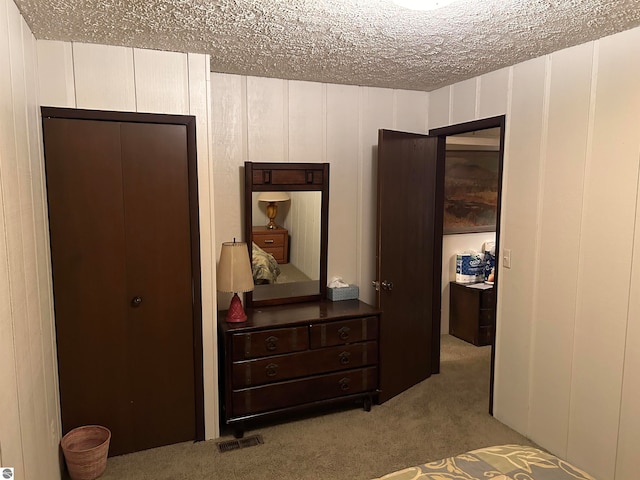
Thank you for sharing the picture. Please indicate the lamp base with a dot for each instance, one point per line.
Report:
(272, 212)
(236, 312)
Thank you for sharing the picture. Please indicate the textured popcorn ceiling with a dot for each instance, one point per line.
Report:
(363, 42)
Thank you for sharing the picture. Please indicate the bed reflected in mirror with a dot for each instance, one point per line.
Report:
(286, 239)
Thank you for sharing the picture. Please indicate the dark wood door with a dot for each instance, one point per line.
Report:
(122, 273)
(409, 258)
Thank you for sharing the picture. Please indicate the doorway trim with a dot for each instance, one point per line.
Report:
(189, 121)
(482, 124)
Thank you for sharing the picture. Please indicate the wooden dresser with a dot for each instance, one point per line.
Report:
(472, 312)
(274, 241)
(293, 357)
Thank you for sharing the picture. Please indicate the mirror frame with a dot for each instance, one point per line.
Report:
(289, 177)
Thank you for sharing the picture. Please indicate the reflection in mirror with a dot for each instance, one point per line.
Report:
(286, 236)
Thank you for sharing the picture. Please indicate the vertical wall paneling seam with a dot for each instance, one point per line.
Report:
(587, 169)
(394, 108)
(504, 213)
(323, 87)
(22, 189)
(476, 114)
(451, 95)
(135, 80)
(426, 117)
(285, 119)
(636, 233)
(212, 267)
(189, 106)
(246, 154)
(73, 75)
(3, 231)
(11, 279)
(48, 315)
(38, 313)
(543, 157)
(588, 149)
(360, 186)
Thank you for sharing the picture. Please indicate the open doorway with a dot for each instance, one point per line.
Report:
(485, 139)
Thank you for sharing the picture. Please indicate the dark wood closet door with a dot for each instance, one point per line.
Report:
(158, 259)
(84, 186)
(123, 282)
(407, 246)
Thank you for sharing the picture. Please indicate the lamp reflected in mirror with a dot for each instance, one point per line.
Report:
(272, 208)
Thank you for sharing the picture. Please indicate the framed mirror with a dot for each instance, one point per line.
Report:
(286, 229)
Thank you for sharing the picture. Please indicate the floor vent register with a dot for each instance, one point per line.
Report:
(235, 444)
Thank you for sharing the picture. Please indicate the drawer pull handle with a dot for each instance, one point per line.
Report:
(272, 369)
(271, 343)
(344, 358)
(269, 241)
(343, 333)
(344, 384)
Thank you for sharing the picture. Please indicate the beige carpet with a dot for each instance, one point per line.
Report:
(290, 273)
(442, 416)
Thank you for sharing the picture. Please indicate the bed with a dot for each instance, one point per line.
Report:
(504, 462)
(263, 266)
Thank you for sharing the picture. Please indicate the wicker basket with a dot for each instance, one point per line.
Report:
(85, 451)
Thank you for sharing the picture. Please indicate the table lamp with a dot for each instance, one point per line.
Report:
(272, 208)
(233, 276)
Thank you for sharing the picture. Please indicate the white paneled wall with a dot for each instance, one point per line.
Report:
(629, 432)
(343, 115)
(568, 338)
(564, 158)
(303, 223)
(608, 221)
(29, 404)
(568, 353)
(103, 77)
(135, 80)
(519, 229)
(262, 119)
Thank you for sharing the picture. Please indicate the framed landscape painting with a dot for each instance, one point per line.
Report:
(470, 191)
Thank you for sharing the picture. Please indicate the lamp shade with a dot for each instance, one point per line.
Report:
(234, 270)
(273, 196)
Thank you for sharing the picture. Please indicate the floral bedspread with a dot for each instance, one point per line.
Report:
(504, 462)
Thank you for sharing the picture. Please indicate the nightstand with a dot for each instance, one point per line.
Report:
(274, 241)
(472, 312)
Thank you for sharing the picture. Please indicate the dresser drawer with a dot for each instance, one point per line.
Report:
(297, 392)
(488, 298)
(269, 342)
(312, 362)
(269, 240)
(345, 331)
(484, 335)
(485, 317)
(277, 252)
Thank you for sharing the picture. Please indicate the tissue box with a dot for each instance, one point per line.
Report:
(344, 293)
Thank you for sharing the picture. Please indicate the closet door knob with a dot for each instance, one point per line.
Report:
(136, 301)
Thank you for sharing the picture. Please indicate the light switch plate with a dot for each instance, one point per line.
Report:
(506, 258)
